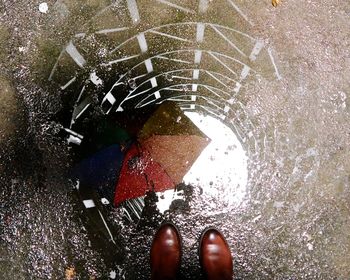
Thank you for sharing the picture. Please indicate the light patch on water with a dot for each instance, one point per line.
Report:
(43, 8)
(166, 198)
(105, 201)
(277, 73)
(133, 10)
(222, 168)
(75, 54)
(256, 50)
(89, 203)
(310, 246)
(112, 274)
(95, 79)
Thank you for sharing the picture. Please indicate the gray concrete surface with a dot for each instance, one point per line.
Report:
(292, 120)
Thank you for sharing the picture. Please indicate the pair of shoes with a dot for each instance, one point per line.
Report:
(214, 254)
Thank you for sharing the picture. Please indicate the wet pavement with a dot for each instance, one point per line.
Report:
(268, 86)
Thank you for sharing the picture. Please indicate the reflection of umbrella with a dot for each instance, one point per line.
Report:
(173, 140)
(168, 145)
(139, 174)
(176, 153)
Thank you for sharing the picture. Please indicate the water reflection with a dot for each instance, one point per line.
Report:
(296, 221)
(221, 170)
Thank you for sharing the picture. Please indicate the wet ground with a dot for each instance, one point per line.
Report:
(274, 83)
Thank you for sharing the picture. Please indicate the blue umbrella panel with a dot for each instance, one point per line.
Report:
(101, 170)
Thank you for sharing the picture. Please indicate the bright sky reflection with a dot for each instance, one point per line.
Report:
(221, 170)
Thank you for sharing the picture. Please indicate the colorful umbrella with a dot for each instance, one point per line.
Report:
(173, 140)
(175, 153)
(140, 173)
(168, 145)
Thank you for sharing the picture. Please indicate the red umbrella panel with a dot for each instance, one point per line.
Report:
(175, 153)
(140, 173)
(173, 140)
(168, 145)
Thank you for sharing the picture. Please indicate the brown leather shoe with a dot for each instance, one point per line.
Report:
(166, 253)
(215, 256)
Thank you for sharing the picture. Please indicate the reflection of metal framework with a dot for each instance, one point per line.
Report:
(192, 56)
(133, 54)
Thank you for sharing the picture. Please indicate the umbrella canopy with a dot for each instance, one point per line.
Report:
(173, 140)
(169, 119)
(168, 145)
(175, 153)
(140, 173)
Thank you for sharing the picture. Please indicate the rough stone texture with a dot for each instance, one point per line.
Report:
(8, 109)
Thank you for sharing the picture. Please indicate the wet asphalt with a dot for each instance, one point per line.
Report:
(291, 118)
